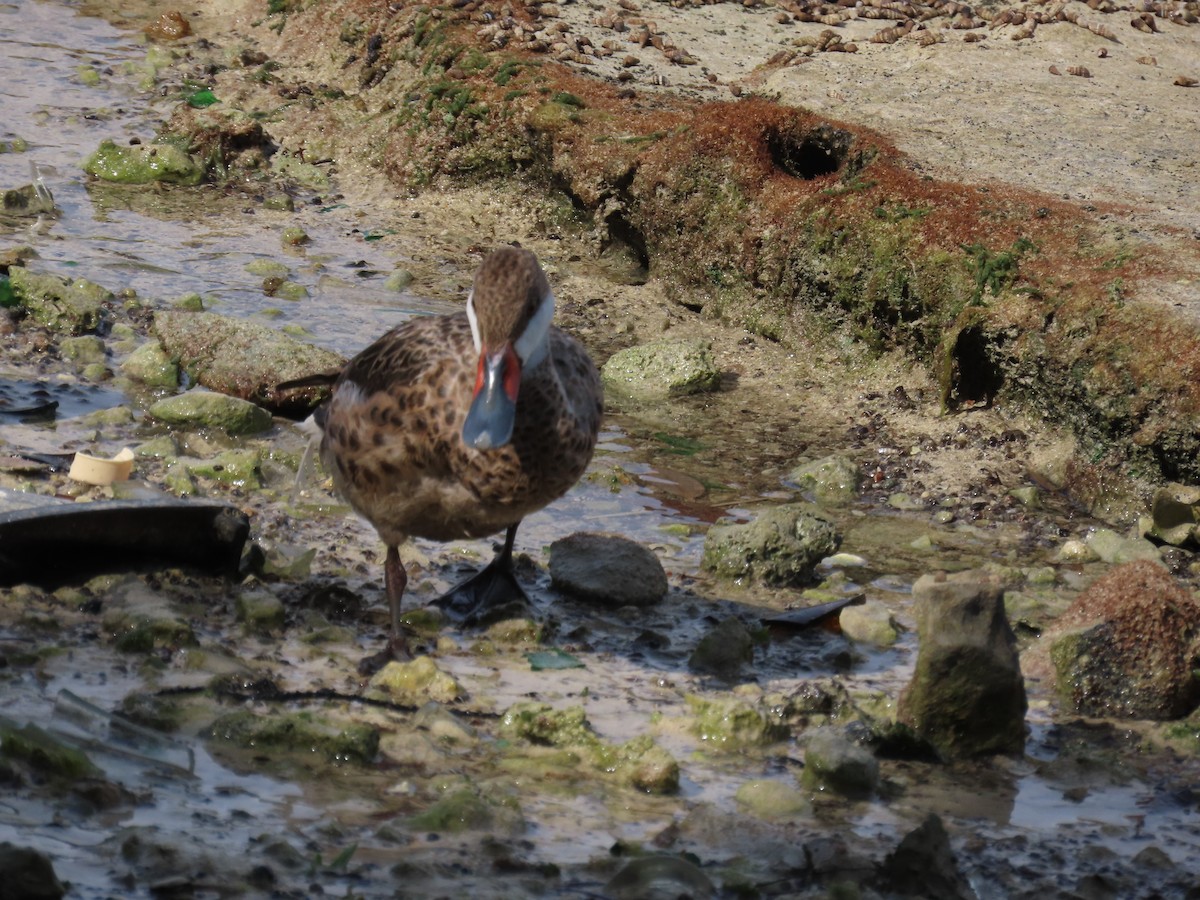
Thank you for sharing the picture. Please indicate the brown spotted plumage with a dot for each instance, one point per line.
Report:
(428, 435)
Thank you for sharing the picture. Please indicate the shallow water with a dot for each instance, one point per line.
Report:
(705, 462)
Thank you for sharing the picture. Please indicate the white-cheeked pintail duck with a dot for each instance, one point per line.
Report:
(459, 426)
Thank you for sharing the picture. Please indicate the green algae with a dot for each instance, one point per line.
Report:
(300, 733)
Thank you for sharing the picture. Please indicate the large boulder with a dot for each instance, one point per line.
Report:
(607, 569)
(1129, 646)
(243, 359)
(967, 695)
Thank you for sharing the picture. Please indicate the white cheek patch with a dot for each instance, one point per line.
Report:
(531, 345)
(474, 322)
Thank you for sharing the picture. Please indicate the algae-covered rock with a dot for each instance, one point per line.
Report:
(415, 682)
(923, 865)
(27, 874)
(662, 369)
(236, 467)
(334, 740)
(639, 762)
(660, 875)
(1127, 646)
(208, 409)
(723, 650)
(152, 366)
(43, 753)
(140, 620)
(832, 479)
(83, 350)
(143, 164)
(607, 569)
(834, 762)
(967, 694)
(780, 546)
(243, 359)
(62, 305)
(733, 725)
(467, 809)
(28, 201)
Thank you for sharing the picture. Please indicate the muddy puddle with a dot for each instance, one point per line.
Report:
(1091, 808)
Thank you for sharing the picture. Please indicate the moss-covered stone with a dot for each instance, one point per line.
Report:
(151, 365)
(834, 762)
(302, 733)
(260, 611)
(83, 350)
(723, 650)
(662, 369)
(780, 546)
(236, 467)
(44, 753)
(772, 799)
(832, 479)
(208, 409)
(733, 725)
(70, 307)
(143, 164)
(415, 682)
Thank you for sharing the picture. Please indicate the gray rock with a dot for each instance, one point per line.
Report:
(833, 479)
(780, 546)
(723, 650)
(151, 365)
(607, 569)
(208, 409)
(834, 762)
(923, 865)
(243, 359)
(869, 623)
(662, 369)
(27, 874)
(967, 695)
(68, 307)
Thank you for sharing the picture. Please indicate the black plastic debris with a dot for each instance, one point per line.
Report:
(52, 543)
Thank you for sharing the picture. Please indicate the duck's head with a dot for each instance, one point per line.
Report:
(510, 308)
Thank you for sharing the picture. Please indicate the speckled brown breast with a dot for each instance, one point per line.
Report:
(392, 434)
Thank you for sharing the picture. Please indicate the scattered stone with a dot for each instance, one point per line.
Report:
(1027, 495)
(191, 302)
(143, 164)
(923, 865)
(833, 480)
(723, 650)
(68, 307)
(462, 810)
(834, 762)
(28, 201)
(967, 694)
(151, 365)
(1076, 551)
(44, 754)
(398, 281)
(781, 546)
(869, 623)
(1111, 547)
(27, 874)
(294, 236)
(416, 682)
(260, 611)
(1127, 646)
(244, 359)
(208, 409)
(607, 569)
(170, 26)
(662, 369)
